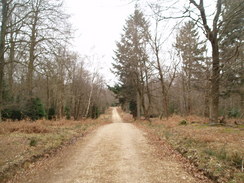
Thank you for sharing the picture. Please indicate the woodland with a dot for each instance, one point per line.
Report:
(40, 77)
(177, 95)
(201, 74)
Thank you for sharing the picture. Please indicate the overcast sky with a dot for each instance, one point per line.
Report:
(98, 25)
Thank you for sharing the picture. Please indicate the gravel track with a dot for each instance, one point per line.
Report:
(114, 153)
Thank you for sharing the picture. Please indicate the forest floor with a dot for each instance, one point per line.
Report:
(115, 152)
(24, 144)
(216, 151)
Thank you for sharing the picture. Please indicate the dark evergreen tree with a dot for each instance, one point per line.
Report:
(194, 66)
(67, 112)
(232, 52)
(131, 60)
(34, 109)
(95, 112)
(51, 113)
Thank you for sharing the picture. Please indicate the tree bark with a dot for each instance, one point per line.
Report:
(242, 91)
(148, 93)
(215, 81)
(30, 71)
(89, 100)
(212, 36)
(11, 63)
(138, 105)
(188, 90)
(162, 83)
(2, 50)
(48, 93)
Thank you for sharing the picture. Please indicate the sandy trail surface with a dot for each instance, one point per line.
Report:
(114, 153)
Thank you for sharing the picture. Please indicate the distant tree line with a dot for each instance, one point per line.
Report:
(39, 76)
(201, 75)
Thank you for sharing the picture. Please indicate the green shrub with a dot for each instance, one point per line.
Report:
(236, 160)
(6, 114)
(67, 112)
(234, 113)
(133, 108)
(33, 142)
(13, 114)
(95, 112)
(51, 113)
(222, 154)
(172, 108)
(219, 154)
(34, 109)
(209, 152)
(183, 122)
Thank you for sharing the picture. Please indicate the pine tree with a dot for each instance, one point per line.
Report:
(232, 50)
(191, 51)
(34, 109)
(131, 62)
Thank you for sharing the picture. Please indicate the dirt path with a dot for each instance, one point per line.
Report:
(114, 153)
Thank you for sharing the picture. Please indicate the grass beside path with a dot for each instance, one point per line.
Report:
(22, 143)
(217, 151)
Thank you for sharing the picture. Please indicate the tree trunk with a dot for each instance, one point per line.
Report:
(148, 109)
(138, 105)
(215, 80)
(163, 92)
(30, 71)
(241, 91)
(189, 108)
(212, 36)
(242, 104)
(78, 107)
(89, 101)
(164, 98)
(2, 50)
(48, 94)
(206, 104)
(207, 86)
(184, 96)
(11, 64)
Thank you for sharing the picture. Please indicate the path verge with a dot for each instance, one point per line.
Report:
(216, 152)
(24, 143)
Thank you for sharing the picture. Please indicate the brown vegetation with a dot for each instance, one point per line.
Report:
(217, 151)
(26, 141)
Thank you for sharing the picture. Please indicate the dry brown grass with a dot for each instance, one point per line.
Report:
(46, 126)
(198, 129)
(21, 141)
(174, 120)
(216, 150)
(23, 127)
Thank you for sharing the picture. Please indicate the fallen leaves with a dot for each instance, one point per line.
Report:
(192, 142)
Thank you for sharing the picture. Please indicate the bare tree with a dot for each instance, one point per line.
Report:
(44, 33)
(212, 35)
(90, 93)
(157, 45)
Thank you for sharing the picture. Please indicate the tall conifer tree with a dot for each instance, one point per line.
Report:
(131, 61)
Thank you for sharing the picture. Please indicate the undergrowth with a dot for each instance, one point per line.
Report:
(27, 141)
(218, 151)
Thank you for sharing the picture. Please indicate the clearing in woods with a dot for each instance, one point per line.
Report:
(116, 152)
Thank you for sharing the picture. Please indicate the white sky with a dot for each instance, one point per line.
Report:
(98, 25)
